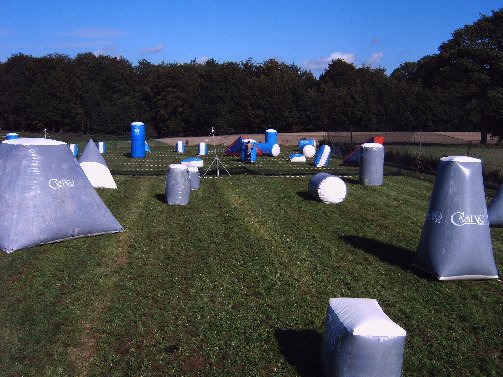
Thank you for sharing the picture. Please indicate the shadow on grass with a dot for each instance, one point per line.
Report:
(388, 253)
(301, 349)
(161, 197)
(306, 196)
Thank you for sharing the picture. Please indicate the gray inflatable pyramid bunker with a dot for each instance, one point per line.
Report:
(455, 241)
(359, 339)
(95, 167)
(46, 196)
(495, 210)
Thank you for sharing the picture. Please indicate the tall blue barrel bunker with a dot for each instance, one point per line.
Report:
(138, 140)
(372, 164)
(271, 136)
(252, 156)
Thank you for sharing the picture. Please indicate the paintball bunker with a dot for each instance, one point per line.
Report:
(194, 177)
(495, 210)
(455, 241)
(253, 152)
(138, 140)
(95, 167)
(309, 150)
(193, 161)
(359, 339)
(180, 147)
(102, 147)
(327, 188)
(297, 157)
(46, 196)
(202, 149)
(75, 149)
(322, 156)
(177, 185)
(372, 164)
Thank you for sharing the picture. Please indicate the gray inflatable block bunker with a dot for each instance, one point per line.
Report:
(372, 164)
(495, 209)
(177, 185)
(359, 339)
(455, 241)
(46, 196)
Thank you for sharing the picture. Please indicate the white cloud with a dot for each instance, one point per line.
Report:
(96, 33)
(202, 60)
(375, 58)
(153, 50)
(103, 51)
(322, 63)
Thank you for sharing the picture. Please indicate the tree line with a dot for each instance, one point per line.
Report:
(458, 89)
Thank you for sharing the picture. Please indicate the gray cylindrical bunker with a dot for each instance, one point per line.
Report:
(177, 185)
(372, 164)
(327, 188)
(194, 177)
(455, 242)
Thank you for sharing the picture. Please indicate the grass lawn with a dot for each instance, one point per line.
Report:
(237, 283)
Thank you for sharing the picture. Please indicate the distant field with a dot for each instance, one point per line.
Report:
(237, 282)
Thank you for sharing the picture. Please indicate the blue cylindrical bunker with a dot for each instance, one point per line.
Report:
(455, 241)
(177, 185)
(253, 153)
(194, 177)
(271, 136)
(372, 164)
(303, 142)
(138, 140)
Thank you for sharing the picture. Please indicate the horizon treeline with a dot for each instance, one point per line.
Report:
(458, 89)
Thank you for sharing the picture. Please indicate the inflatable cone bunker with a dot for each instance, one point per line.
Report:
(46, 196)
(455, 241)
(495, 210)
(95, 167)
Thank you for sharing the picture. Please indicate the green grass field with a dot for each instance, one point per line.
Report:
(237, 283)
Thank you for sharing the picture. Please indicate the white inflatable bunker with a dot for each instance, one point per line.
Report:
(322, 156)
(46, 196)
(297, 157)
(327, 188)
(95, 167)
(309, 151)
(195, 162)
(359, 339)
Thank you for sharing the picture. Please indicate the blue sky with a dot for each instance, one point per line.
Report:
(307, 33)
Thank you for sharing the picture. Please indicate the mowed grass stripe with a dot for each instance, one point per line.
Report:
(114, 256)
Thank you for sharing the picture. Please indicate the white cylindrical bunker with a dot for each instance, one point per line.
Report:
(177, 185)
(327, 188)
(202, 149)
(194, 177)
(372, 164)
(180, 147)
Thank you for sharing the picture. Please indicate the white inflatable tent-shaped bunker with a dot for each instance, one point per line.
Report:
(95, 167)
(359, 339)
(46, 196)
